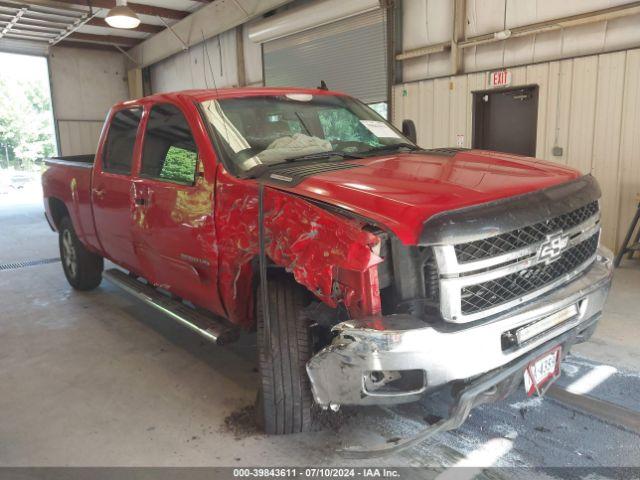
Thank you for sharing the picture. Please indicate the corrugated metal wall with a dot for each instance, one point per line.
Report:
(589, 106)
(84, 86)
(202, 68)
(428, 22)
(198, 67)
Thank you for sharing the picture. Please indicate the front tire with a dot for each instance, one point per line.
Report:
(82, 268)
(284, 401)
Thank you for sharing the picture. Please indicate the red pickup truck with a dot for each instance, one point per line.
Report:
(375, 271)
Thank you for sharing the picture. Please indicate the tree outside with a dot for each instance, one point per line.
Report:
(26, 119)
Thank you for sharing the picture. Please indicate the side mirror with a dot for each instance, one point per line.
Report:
(409, 130)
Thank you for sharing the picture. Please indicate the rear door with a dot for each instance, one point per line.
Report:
(112, 188)
(174, 230)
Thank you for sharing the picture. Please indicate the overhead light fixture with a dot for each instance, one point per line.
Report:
(122, 16)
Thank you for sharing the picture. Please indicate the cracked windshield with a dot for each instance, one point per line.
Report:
(270, 130)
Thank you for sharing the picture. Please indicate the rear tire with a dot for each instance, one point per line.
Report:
(284, 400)
(82, 268)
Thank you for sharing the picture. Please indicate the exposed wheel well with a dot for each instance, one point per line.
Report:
(58, 211)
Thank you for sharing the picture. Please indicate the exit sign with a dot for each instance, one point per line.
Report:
(500, 78)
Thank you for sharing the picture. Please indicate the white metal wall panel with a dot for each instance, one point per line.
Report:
(84, 86)
(605, 162)
(579, 149)
(525, 12)
(86, 83)
(629, 156)
(78, 138)
(423, 22)
(486, 16)
(428, 22)
(350, 55)
(589, 106)
(206, 65)
(559, 108)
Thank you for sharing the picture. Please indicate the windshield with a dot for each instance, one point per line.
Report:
(267, 130)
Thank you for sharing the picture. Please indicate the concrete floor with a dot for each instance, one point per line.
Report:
(98, 379)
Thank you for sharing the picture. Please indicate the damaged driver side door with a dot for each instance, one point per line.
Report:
(174, 230)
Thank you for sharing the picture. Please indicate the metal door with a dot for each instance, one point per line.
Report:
(506, 120)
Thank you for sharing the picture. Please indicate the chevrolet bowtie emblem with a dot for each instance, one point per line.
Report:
(553, 247)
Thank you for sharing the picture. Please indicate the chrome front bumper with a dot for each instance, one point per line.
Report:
(397, 343)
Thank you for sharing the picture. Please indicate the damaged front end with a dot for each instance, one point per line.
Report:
(470, 300)
(399, 358)
(469, 309)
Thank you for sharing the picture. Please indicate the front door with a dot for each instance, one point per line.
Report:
(112, 188)
(174, 231)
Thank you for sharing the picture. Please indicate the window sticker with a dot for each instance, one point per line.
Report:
(299, 97)
(379, 129)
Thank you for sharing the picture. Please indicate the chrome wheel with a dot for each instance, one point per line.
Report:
(69, 256)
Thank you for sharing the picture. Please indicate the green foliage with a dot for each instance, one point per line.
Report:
(179, 165)
(26, 123)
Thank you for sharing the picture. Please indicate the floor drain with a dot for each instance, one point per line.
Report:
(27, 263)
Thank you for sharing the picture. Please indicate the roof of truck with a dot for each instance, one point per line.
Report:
(200, 95)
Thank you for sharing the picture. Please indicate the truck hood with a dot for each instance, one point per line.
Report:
(402, 191)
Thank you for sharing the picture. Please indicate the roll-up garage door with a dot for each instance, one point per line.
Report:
(350, 55)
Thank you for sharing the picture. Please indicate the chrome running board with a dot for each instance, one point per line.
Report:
(212, 328)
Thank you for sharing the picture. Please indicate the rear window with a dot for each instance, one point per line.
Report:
(121, 140)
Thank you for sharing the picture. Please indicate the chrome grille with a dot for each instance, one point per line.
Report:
(486, 276)
(475, 298)
(522, 237)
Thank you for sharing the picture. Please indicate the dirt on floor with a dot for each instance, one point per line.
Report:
(241, 423)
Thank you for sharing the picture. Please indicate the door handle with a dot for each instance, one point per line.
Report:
(98, 192)
(140, 201)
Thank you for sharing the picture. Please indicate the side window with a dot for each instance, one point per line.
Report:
(121, 139)
(169, 151)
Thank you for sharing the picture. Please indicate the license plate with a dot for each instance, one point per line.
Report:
(543, 370)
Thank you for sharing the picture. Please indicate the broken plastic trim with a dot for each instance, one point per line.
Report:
(481, 390)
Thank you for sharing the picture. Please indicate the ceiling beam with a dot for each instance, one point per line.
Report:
(92, 46)
(17, 36)
(31, 33)
(36, 23)
(108, 39)
(13, 21)
(33, 28)
(207, 22)
(136, 7)
(43, 17)
(143, 27)
(43, 3)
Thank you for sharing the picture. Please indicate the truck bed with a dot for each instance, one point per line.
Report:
(66, 187)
